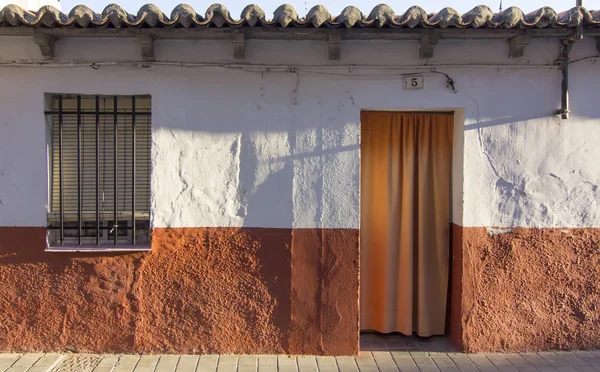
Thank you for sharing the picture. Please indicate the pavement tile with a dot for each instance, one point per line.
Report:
(48, 360)
(586, 369)
(346, 364)
(147, 363)
(449, 368)
(517, 360)
(481, 361)
(385, 362)
(306, 361)
(126, 363)
(423, 361)
(461, 360)
(527, 369)
(248, 360)
(227, 360)
(267, 360)
(467, 368)
(106, 363)
(432, 368)
(24, 362)
(287, 362)
(583, 353)
(7, 360)
(207, 363)
(595, 361)
(187, 363)
(442, 361)
(267, 368)
(547, 369)
(498, 360)
(535, 360)
(572, 359)
(326, 362)
(409, 369)
(246, 368)
(167, 363)
(404, 361)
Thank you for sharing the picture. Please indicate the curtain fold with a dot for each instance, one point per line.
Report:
(405, 221)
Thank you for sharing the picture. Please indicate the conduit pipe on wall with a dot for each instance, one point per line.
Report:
(563, 59)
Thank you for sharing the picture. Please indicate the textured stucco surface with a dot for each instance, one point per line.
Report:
(275, 148)
(530, 289)
(205, 290)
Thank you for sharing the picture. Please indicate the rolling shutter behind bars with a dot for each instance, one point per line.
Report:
(106, 157)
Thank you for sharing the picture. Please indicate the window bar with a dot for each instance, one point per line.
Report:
(133, 170)
(60, 171)
(97, 170)
(115, 222)
(79, 233)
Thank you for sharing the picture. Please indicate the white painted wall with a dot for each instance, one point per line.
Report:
(281, 149)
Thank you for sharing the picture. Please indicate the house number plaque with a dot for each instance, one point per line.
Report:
(413, 82)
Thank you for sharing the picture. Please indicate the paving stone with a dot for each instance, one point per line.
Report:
(586, 369)
(326, 362)
(595, 361)
(267, 360)
(468, 368)
(482, 362)
(24, 362)
(346, 364)
(187, 363)
(432, 368)
(517, 360)
(207, 363)
(106, 363)
(498, 360)
(7, 360)
(246, 368)
(423, 361)
(267, 368)
(147, 363)
(286, 362)
(306, 361)
(527, 369)
(440, 361)
(572, 359)
(583, 353)
(84, 363)
(409, 369)
(385, 362)
(248, 360)
(546, 369)
(400, 353)
(167, 363)
(535, 359)
(126, 363)
(461, 360)
(404, 361)
(554, 360)
(449, 368)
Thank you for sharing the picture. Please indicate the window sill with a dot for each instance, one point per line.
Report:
(98, 249)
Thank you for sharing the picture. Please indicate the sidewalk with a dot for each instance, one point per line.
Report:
(368, 361)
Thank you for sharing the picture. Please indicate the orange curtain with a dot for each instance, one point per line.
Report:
(405, 221)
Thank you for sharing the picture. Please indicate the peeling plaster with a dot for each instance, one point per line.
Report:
(282, 149)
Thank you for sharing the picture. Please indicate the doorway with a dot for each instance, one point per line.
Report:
(406, 162)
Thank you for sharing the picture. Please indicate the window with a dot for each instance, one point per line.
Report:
(99, 160)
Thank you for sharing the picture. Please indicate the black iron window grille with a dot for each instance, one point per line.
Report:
(99, 166)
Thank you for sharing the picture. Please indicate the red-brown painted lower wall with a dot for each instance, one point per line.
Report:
(200, 290)
(529, 289)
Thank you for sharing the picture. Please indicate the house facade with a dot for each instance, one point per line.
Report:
(192, 183)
